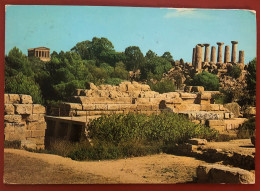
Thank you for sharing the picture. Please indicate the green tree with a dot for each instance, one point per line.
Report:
(251, 77)
(134, 58)
(21, 84)
(168, 56)
(209, 81)
(163, 86)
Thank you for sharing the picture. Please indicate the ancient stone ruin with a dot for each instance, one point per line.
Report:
(24, 121)
(213, 63)
(41, 52)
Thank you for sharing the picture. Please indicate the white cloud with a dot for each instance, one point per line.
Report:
(185, 13)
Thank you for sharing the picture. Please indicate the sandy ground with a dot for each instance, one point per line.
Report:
(23, 167)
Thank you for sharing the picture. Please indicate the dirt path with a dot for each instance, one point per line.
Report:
(23, 167)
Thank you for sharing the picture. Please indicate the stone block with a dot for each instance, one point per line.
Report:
(9, 109)
(81, 113)
(38, 133)
(28, 133)
(101, 106)
(23, 108)
(172, 95)
(205, 107)
(214, 107)
(124, 100)
(28, 144)
(35, 125)
(153, 100)
(204, 102)
(144, 107)
(8, 127)
(188, 96)
(87, 107)
(216, 122)
(6, 99)
(14, 98)
(37, 141)
(234, 108)
(205, 96)
(14, 136)
(176, 100)
(220, 174)
(38, 109)
(145, 88)
(162, 96)
(13, 118)
(226, 115)
(26, 99)
(36, 117)
(196, 141)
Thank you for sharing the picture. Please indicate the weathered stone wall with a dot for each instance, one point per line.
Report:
(24, 121)
(135, 97)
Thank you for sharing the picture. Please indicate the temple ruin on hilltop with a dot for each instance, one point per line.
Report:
(41, 52)
(211, 64)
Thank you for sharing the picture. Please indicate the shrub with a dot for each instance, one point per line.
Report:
(163, 86)
(209, 81)
(12, 144)
(247, 129)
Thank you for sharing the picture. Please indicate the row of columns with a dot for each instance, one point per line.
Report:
(42, 53)
(197, 56)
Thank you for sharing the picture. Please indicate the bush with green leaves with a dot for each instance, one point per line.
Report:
(116, 136)
(247, 129)
(209, 81)
(162, 86)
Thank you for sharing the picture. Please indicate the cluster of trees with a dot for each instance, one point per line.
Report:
(88, 61)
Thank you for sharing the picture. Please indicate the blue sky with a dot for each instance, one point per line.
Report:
(157, 29)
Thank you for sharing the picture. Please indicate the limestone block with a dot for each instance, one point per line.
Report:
(196, 141)
(81, 113)
(8, 127)
(114, 94)
(122, 87)
(176, 100)
(92, 86)
(35, 125)
(172, 95)
(188, 95)
(13, 118)
(26, 99)
(205, 107)
(153, 100)
(204, 102)
(124, 100)
(17, 135)
(143, 100)
(145, 88)
(37, 141)
(38, 133)
(23, 108)
(144, 107)
(188, 101)
(9, 109)
(103, 93)
(36, 117)
(226, 115)
(28, 144)
(135, 94)
(28, 133)
(38, 109)
(205, 96)
(223, 174)
(162, 96)
(87, 107)
(216, 122)
(6, 99)
(214, 107)
(101, 106)
(14, 98)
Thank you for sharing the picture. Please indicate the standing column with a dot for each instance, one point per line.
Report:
(193, 56)
(206, 57)
(199, 55)
(213, 54)
(234, 51)
(220, 58)
(227, 55)
(241, 56)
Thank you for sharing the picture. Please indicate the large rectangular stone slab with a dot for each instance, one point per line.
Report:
(35, 125)
(14, 98)
(23, 108)
(36, 117)
(26, 99)
(38, 133)
(13, 118)
(216, 122)
(38, 109)
(188, 95)
(9, 109)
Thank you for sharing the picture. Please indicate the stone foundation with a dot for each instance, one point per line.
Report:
(24, 121)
